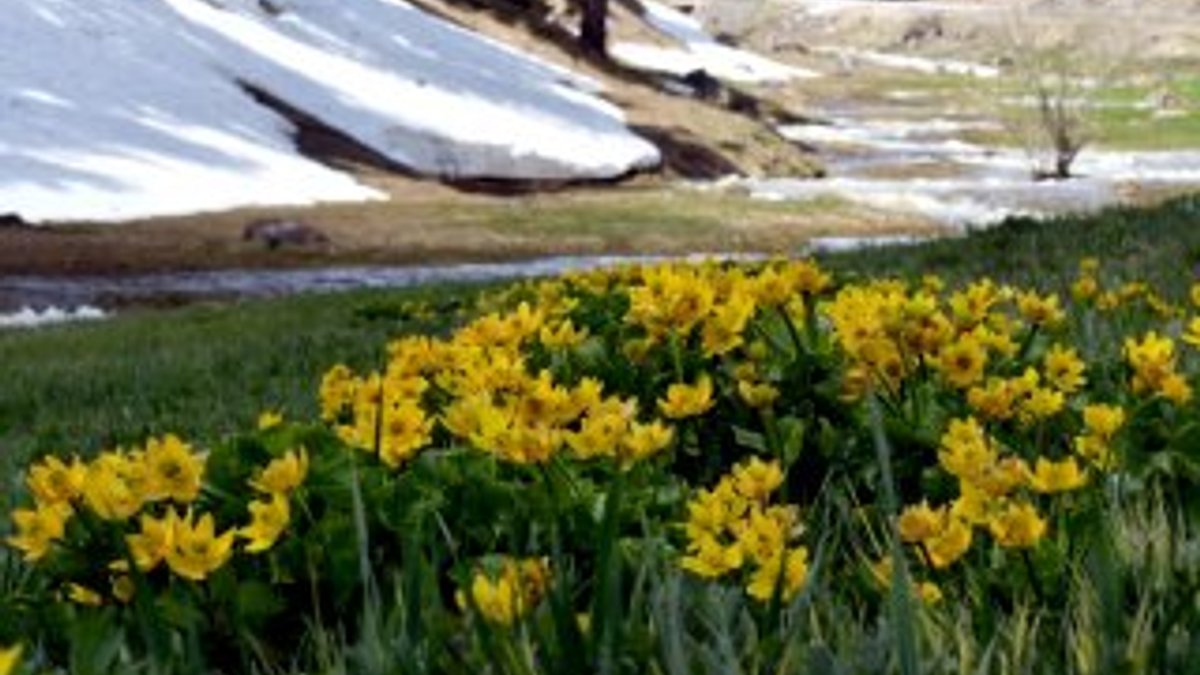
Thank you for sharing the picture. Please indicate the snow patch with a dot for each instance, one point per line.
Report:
(844, 244)
(115, 111)
(699, 51)
(28, 317)
(919, 64)
(831, 7)
(954, 203)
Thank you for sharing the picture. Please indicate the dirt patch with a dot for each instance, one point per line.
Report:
(685, 156)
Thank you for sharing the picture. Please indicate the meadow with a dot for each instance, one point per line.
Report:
(976, 455)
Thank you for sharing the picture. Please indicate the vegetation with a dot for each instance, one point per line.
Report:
(868, 464)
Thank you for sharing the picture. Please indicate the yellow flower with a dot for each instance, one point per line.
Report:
(710, 559)
(116, 485)
(1002, 477)
(755, 479)
(974, 504)
(949, 544)
(724, 328)
(645, 440)
(1175, 388)
(1061, 476)
(1191, 334)
(773, 287)
(173, 470)
(603, 429)
(764, 533)
(282, 475)
(929, 592)
(38, 529)
(269, 520)
(1064, 369)
(971, 305)
(1042, 404)
(197, 550)
(405, 430)
(757, 395)
(1152, 360)
(966, 449)
(920, 522)
(1095, 450)
(1018, 526)
(962, 362)
(995, 401)
(1103, 420)
(123, 588)
(787, 571)
(523, 444)
(149, 547)
(688, 401)
(496, 600)
(337, 392)
(1085, 288)
(82, 595)
(10, 658)
(712, 511)
(269, 419)
(52, 481)
(1038, 310)
(807, 276)
(504, 597)
(564, 336)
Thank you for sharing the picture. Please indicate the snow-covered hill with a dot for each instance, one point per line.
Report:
(118, 109)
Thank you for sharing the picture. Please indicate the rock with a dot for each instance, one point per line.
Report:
(923, 29)
(12, 220)
(275, 233)
(1165, 100)
(704, 86)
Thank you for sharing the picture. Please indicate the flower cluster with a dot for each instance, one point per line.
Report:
(733, 527)
(150, 497)
(585, 413)
(506, 590)
(479, 387)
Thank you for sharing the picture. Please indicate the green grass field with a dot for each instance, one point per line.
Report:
(468, 551)
(205, 371)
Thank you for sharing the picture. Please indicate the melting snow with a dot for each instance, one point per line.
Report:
(28, 317)
(700, 51)
(919, 64)
(117, 110)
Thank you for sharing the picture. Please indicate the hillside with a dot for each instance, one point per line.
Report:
(121, 110)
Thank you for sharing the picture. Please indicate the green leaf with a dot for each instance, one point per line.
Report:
(751, 440)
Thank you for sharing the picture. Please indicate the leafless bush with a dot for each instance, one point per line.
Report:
(1052, 95)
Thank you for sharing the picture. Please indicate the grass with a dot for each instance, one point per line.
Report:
(1118, 124)
(206, 371)
(202, 371)
(426, 223)
(1159, 244)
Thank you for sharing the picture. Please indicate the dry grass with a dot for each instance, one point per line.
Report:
(425, 222)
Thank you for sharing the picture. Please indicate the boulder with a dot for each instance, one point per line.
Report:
(276, 233)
